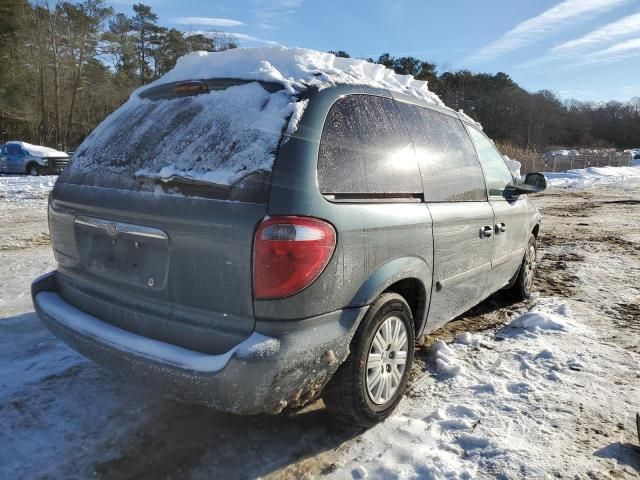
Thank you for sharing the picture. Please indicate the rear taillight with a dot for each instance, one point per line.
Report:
(289, 254)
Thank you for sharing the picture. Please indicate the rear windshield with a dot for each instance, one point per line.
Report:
(219, 144)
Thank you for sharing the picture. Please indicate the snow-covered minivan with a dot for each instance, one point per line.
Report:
(261, 227)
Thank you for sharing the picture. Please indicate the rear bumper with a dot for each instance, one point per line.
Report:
(281, 364)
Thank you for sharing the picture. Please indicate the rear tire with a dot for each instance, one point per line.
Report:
(368, 386)
(523, 286)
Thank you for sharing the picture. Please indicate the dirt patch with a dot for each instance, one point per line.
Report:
(554, 273)
(625, 315)
(285, 446)
(37, 240)
(573, 210)
(622, 244)
(624, 202)
(494, 312)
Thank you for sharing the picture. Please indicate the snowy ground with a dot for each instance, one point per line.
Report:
(550, 393)
(588, 177)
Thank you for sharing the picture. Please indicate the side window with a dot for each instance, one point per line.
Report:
(365, 150)
(12, 149)
(450, 167)
(495, 169)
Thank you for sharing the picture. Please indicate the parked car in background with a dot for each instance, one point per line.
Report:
(23, 157)
(227, 261)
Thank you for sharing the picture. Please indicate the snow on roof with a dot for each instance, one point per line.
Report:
(295, 68)
(37, 150)
(183, 149)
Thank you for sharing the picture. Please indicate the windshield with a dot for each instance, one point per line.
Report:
(221, 143)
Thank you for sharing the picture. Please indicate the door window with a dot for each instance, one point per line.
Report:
(496, 171)
(365, 150)
(450, 167)
(13, 149)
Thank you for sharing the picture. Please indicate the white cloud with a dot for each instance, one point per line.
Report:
(615, 53)
(210, 21)
(268, 13)
(238, 36)
(613, 31)
(251, 38)
(536, 28)
(619, 29)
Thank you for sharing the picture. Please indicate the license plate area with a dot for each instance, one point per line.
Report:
(127, 253)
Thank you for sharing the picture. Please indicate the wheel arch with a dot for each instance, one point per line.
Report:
(409, 277)
(536, 230)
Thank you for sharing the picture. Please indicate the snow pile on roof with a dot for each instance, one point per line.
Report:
(583, 178)
(39, 150)
(223, 136)
(295, 68)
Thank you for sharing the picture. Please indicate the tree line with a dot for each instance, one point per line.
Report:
(534, 121)
(67, 65)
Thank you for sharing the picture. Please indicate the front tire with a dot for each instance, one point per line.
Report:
(33, 170)
(523, 286)
(368, 386)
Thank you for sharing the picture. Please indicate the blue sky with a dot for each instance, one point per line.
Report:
(584, 49)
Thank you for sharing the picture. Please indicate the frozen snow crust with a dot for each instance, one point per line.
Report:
(295, 68)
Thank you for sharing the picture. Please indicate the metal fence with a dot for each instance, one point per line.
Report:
(532, 162)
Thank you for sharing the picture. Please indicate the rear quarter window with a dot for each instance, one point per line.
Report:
(450, 166)
(365, 150)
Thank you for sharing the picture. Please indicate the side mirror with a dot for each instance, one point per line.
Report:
(533, 183)
(536, 180)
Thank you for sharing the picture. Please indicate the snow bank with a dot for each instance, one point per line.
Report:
(538, 321)
(295, 68)
(26, 190)
(445, 359)
(487, 397)
(584, 178)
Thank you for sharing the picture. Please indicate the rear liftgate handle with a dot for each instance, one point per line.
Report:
(486, 231)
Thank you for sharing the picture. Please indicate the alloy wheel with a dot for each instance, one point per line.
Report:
(530, 268)
(387, 360)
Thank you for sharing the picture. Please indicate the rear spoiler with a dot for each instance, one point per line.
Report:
(196, 87)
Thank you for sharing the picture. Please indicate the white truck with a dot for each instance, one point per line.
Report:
(22, 157)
